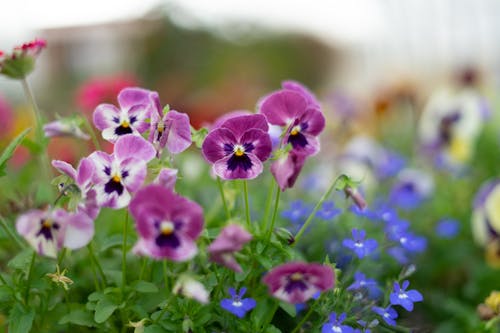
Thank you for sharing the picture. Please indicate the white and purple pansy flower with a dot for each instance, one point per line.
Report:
(486, 214)
(170, 129)
(238, 147)
(296, 282)
(302, 120)
(135, 107)
(82, 177)
(51, 230)
(168, 224)
(118, 175)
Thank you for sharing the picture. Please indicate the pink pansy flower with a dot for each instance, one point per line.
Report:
(231, 239)
(238, 147)
(286, 169)
(168, 224)
(296, 282)
(118, 175)
(83, 179)
(167, 177)
(171, 130)
(130, 118)
(49, 231)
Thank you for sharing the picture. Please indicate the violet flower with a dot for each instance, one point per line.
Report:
(238, 147)
(168, 224)
(412, 188)
(118, 175)
(486, 214)
(286, 169)
(388, 314)
(238, 305)
(167, 177)
(359, 244)
(135, 107)
(231, 239)
(361, 282)
(49, 231)
(296, 282)
(82, 177)
(335, 324)
(400, 296)
(169, 129)
(64, 127)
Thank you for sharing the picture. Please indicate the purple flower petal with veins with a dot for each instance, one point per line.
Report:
(168, 224)
(296, 282)
(231, 239)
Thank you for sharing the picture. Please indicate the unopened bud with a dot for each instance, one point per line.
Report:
(356, 197)
(284, 235)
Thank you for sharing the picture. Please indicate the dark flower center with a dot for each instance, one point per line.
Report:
(239, 158)
(296, 138)
(46, 228)
(167, 235)
(446, 125)
(296, 280)
(114, 185)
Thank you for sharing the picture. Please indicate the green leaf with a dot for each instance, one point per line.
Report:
(20, 320)
(145, 287)
(9, 151)
(154, 329)
(289, 308)
(104, 310)
(272, 329)
(198, 136)
(21, 261)
(78, 317)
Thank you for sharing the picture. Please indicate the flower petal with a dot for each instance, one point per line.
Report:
(281, 107)
(134, 146)
(221, 169)
(213, 146)
(239, 124)
(179, 134)
(106, 116)
(65, 168)
(79, 231)
(129, 97)
(260, 140)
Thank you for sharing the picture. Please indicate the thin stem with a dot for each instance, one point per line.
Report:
(96, 262)
(313, 213)
(124, 254)
(275, 212)
(165, 276)
(247, 207)
(223, 197)
(143, 267)
(303, 320)
(268, 203)
(30, 273)
(60, 257)
(10, 233)
(90, 129)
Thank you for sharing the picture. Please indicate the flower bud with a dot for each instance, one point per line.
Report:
(284, 235)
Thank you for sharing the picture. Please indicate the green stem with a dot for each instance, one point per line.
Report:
(165, 276)
(275, 212)
(223, 197)
(10, 233)
(143, 267)
(30, 273)
(303, 320)
(96, 262)
(60, 257)
(313, 213)
(90, 129)
(124, 254)
(247, 207)
(268, 204)
(270, 316)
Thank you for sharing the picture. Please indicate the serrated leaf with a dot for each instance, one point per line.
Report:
(78, 317)
(103, 310)
(21, 261)
(145, 287)
(9, 150)
(20, 320)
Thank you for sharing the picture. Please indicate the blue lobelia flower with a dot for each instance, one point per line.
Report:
(388, 314)
(335, 325)
(400, 296)
(297, 212)
(328, 211)
(359, 244)
(447, 228)
(236, 304)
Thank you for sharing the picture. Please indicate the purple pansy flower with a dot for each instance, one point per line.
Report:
(296, 282)
(302, 120)
(286, 169)
(335, 324)
(170, 129)
(400, 296)
(63, 128)
(168, 224)
(49, 231)
(231, 239)
(135, 107)
(118, 175)
(388, 314)
(311, 99)
(236, 304)
(83, 179)
(167, 177)
(238, 147)
(359, 244)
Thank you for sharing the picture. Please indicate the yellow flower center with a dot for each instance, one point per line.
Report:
(239, 150)
(493, 301)
(125, 124)
(295, 130)
(167, 228)
(47, 223)
(117, 178)
(296, 277)
(460, 149)
(160, 127)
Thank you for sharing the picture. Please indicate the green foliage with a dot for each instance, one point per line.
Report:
(9, 150)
